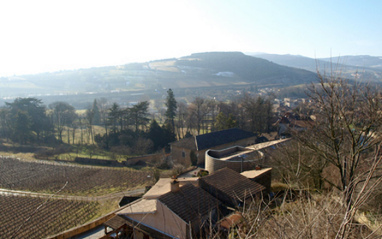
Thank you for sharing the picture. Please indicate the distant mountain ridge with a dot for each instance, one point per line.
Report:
(366, 68)
(363, 61)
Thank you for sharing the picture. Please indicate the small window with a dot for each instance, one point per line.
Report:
(183, 154)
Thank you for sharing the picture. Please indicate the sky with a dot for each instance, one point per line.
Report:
(44, 36)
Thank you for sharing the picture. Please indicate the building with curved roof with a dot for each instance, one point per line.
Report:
(236, 158)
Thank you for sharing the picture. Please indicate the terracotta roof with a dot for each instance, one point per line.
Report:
(231, 184)
(217, 138)
(231, 220)
(189, 203)
(163, 186)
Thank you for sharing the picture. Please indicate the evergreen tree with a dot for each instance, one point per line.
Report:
(168, 135)
(32, 112)
(96, 113)
(114, 117)
(171, 109)
(138, 114)
(156, 134)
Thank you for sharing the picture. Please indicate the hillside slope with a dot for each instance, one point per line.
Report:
(198, 70)
(249, 69)
(365, 68)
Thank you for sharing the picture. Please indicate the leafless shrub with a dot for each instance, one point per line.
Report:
(177, 169)
(318, 216)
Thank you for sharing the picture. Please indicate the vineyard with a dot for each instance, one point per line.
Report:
(33, 217)
(17, 174)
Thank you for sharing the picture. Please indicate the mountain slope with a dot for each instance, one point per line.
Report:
(362, 61)
(198, 70)
(366, 68)
(249, 69)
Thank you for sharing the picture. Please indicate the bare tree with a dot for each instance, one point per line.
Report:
(257, 113)
(213, 111)
(198, 109)
(180, 122)
(63, 115)
(89, 118)
(346, 131)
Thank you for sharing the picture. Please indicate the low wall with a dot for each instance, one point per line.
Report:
(86, 227)
(83, 228)
(99, 162)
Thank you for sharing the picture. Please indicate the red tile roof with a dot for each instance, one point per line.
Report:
(190, 203)
(231, 184)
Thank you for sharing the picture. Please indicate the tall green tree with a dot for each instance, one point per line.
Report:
(22, 127)
(5, 123)
(156, 135)
(138, 114)
(96, 112)
(223, 122)
(114, 117)
(171, 108)
(35, 117)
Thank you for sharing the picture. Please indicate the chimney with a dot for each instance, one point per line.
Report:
(174, 185)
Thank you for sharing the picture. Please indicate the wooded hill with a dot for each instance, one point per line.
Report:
(198, 70)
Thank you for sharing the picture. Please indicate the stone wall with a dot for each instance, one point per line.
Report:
(265, 180)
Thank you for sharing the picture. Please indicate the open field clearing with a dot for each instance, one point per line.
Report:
(164, 66)
(33, 217)
(17, 174)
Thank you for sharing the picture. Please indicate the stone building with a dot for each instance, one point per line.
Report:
(181, 150)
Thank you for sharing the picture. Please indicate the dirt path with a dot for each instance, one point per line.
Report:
(7, 192)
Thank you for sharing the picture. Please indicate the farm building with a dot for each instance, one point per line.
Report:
(168, 210)
(181, 150)
(184, 207)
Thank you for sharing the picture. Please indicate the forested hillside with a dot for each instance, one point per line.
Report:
(202, 70)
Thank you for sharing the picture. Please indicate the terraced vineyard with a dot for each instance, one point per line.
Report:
(17, 174)
(33, 217)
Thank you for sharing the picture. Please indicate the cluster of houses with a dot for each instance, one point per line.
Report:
(193, 207)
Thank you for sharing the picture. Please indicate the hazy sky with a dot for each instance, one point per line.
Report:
(39, 36)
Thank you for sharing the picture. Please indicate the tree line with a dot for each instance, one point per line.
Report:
(130, 130)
